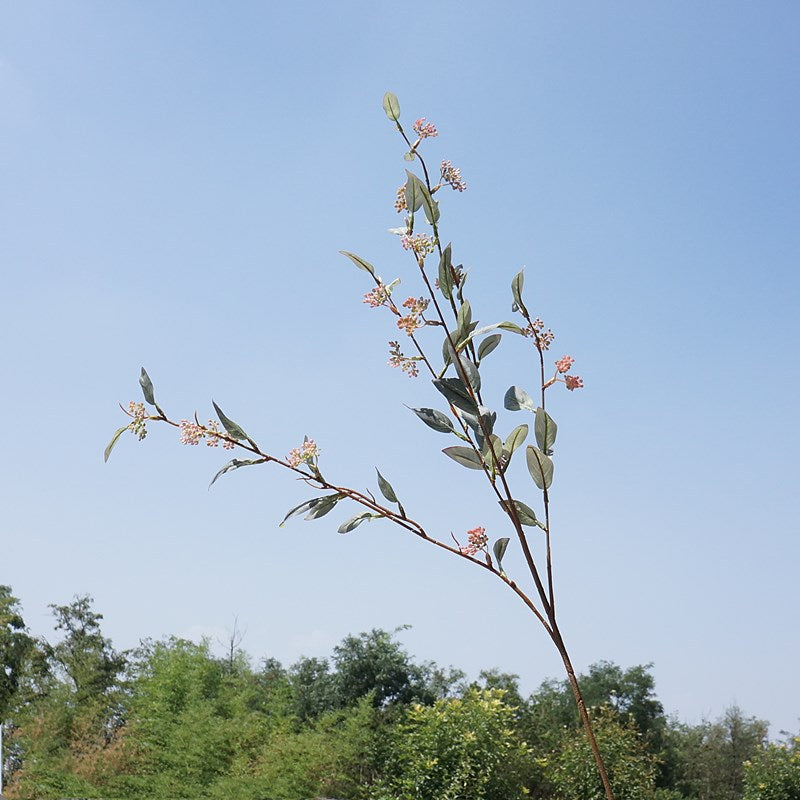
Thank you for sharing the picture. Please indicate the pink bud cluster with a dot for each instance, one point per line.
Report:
(543, 338)
(563, 365)
(377, 297)
(414, 320)
(425, 129)
(192, 434)
(452, 176)
(307, 453)
(407, 364)
(400, 204)
(137, 411)
(476, 541)
(421, 244)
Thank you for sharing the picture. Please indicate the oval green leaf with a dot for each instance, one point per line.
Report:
(435, 419)
(515, 439)
(233, 430)
(235, 464)
(525, 514)
(488, 344)
(391, 105)
(465, 456)
(516, 399)
(545, 430)
(540, 467)
(386, 488)
(359, 262)
(355, 521)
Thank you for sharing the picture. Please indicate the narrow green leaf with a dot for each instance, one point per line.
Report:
(525, 514)
(515, 439)
(435, 419)
(456, 393)
(510, 326)
(391, 105)
(234, 431)
(114, 440)
(499, 550)
(445, 272)
(492, 443)
(359, 262)
(386, 488)
(516, 293)
(545, 430)
(355, 521)
(310, 504)
(465, 456)
(429, 206)
(488, 344)
(516, 398)
(147, 387)
(464, 318)
(325, 505)
(540, 467)
(235, 464)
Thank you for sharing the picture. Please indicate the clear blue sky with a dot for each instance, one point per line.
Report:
(175, 182)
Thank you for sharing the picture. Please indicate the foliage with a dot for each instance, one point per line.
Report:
(15, 648)
(630, 768)
(774, 772)
(458, 748)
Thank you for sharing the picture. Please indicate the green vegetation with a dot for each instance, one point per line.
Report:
(173, 720)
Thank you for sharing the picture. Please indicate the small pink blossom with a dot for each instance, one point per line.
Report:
(452, 176)
(307, 453)
(573, 382)
(137, 411)
(421, 243)
(543, 338)
(400, 200)
(407, 364)
(425, 129)
(377, 297)
(409, 324)
(191, 432)
(476, 541)
(416, 305)
(564, 363)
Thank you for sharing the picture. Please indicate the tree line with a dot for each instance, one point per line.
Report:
(171, 719)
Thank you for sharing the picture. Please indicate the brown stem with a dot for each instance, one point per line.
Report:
(555, 635)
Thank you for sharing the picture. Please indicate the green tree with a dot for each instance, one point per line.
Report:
(458, 748)
(712, 755)
(84, 655)
(774, 772)
(16, 646)
(631, 769)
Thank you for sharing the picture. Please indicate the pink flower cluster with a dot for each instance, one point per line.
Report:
(405, 363)
(563, 365)
(421, 244)
(307, 453)
(377, 297)
(425, 129)
(452, 176)
(476, 541)
(192, 433)
(400, 204)
(543, 338)
(414, 320)
(137, 411)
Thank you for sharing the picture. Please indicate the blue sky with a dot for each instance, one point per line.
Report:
(176, 181)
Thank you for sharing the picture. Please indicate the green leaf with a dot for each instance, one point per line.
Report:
(463, 319)
(456, 393)
(488, 344)
(445, 272)
(359, 262)
(429, 206)
(409, 156)
(516, 292)
(525, 514)
(386, 488)
(545, 430)
(310, 504)
(413, 192)
(435, 419)
(493, 442)
(540, 467)
(510, 326)
(147, 387)
(235, 464)
(515, 439)
(391, 105)
(325, 505)
(470, 370)
(355, 521)
(465, 456)
(516, 398)
(114, 439)
(499, 550)
(234, 431)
